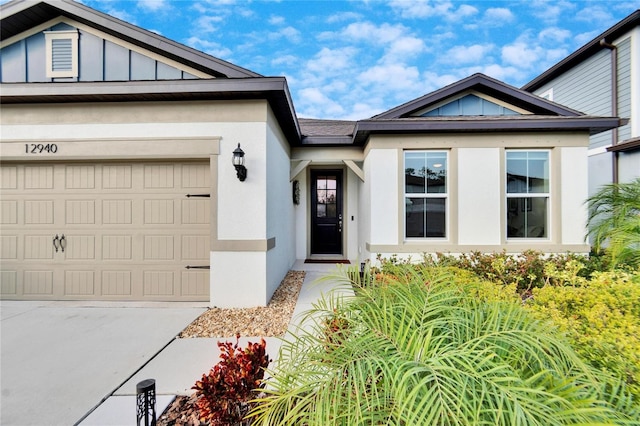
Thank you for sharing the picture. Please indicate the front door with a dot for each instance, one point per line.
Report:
(326, 212)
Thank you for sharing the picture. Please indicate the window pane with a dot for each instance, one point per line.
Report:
(321, 210)
(527, 217)
(436, 215)
(437, 173)
(415, 217)
(426, 172)
(321, 182)
(414, 173)
(425, 217)
(527, 172)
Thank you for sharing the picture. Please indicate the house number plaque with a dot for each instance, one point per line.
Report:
(39, 148)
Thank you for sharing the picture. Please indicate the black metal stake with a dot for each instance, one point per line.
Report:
(146, 402)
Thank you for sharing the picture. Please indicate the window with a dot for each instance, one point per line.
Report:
(425, 183)
(62, 53)
(527, 194)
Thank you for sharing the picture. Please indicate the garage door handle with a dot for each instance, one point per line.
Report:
(198, 267)
(55, 242)
(199, 195)
(63, 243)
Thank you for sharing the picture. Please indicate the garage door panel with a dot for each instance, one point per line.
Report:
(159, 176)
(158, 212)
(130, 231)
(39, 212)
(80, 177)
(159, 283)
(195, 247)
(8, 247)
(9, 177)
(80, 212)
(38, 247)
(195, 211)
(38, 283)
(116, 283)
(195, 283)
(117, 176)
(117, 212)
(79, 283)
(38, 177)
(80, 247)
(117, 247)
(9, 282)
(8, 212)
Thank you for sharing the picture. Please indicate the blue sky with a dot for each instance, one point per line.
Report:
(354, 59)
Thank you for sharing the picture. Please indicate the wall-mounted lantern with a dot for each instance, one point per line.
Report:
(238, 163)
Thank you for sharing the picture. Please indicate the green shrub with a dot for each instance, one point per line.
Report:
(601, 317)
(419, 346)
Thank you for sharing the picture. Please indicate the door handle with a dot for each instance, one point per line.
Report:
(55, 242)
(63, 243)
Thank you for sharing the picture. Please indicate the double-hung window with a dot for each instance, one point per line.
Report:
(527, 194)
(426, 194)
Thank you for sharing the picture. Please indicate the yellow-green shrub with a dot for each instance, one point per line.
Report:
(601, 317)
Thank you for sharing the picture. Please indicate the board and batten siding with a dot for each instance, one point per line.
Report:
(586, 88)
(99, 59)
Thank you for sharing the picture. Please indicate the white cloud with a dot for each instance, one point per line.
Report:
(426, 9)
(467, 54)
(521, 54)
(595, 13)
(497, 16)
(284, 60)
(316, 104)
(554, 35)
(153, 5)
(276, 20)
(391, 77)
(209, 47)
(343, 16)
(550, 11)
(328, 61)
(289, 33)
(207, 24)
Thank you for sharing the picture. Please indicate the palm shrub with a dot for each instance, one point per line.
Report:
(614, 222)
(417, 348)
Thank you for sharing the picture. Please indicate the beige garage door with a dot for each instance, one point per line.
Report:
(108, 231)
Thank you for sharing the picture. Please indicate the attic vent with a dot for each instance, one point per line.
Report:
(62, 53)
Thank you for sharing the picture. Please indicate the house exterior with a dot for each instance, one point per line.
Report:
(117, 180)
(603, 78)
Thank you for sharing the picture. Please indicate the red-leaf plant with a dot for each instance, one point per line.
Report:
(224, 394)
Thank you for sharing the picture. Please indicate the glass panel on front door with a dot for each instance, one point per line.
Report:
(326, 195)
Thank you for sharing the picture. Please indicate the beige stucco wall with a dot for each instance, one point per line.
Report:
(239, 229)
(476, 203)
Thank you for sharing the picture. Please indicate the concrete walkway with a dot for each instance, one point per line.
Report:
(109, 348)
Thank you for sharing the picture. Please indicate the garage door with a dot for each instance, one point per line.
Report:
(108, 231)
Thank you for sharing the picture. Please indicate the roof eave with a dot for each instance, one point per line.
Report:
(272, 89)
(592, 125)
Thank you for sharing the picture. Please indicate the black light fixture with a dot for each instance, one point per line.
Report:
(238, 163)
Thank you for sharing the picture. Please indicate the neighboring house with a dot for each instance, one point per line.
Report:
(603, 78)
(117, 180)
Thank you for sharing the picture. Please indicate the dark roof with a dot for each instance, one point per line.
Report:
(21, 15)
(586, 51)
(629, 145)
(481, 124)
(326, 132)
(488, 86)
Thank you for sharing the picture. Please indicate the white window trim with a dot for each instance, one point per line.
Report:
(546, 195)
(61, 35)
(444, 195)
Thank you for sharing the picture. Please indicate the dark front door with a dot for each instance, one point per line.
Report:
(326, 212)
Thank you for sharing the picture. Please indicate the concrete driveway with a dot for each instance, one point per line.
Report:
(62, 359)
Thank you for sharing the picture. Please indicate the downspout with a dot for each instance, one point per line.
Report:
(614, 101)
